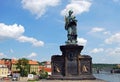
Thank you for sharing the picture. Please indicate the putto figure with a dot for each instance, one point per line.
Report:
(70, 26)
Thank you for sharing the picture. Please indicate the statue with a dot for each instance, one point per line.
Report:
(70, 26)
(71, 65)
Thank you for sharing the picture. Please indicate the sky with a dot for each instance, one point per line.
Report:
(34, 29)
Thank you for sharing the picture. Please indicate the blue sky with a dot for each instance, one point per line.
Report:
(35, 28)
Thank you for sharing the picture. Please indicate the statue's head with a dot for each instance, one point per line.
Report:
(70, 12)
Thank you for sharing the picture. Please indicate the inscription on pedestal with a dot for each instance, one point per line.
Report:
(72, 68)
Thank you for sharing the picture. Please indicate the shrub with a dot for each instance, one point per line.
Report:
(34, 73)
(43, 74)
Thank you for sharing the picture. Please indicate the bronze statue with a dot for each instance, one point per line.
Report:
(71, 65)
(70, 26)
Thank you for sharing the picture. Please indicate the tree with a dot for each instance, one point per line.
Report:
(23, 65)
(34, 73)
(42, 63)
(43, 74)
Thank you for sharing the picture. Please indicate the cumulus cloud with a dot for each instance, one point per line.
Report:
(38, 7)
(81, 41)
(32, 55)
(97, 29)
(78, 6)
(30, 40)
(107, 33)
(113, 51)
(11, 31)
(16, 32)
(113, 39)
(97, 50)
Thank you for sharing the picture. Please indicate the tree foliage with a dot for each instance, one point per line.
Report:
(43, 74)
(23, 65)
(34, 73)
(42, 63)
(102, 66)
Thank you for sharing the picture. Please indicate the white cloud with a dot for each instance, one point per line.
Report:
(11, 31)
(97, 29)
(113, 51)
(38, 7)
(2, 55)
(81, 41)
(32, 55)
(30, 40)
(107, 33)
(116, 0)
(78, 6)
(113, 39)
(97, 50)
(16, 32)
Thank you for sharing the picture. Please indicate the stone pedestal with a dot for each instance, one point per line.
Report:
(71, 65)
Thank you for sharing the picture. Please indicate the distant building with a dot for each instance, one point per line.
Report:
(9, 66)
(13, 66)
(6, 62)
(47, 64)
(4, 68)
(4, 71)
(48, 70)
(2, 62)
(34, 66)
(46, 67)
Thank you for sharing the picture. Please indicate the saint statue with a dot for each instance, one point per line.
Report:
(70, 26)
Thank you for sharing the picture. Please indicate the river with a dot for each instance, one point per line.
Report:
(108, 77)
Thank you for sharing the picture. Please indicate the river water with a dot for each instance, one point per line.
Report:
(108, 77)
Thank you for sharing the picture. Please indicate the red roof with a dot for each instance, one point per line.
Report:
(48, 62)
(14, 61)
(30, 62)
(45, 68)
(2, 62)
(33, 62)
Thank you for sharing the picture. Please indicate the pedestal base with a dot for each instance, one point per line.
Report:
(71, 65)
(81, 77)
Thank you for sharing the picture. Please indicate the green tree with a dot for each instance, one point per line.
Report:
(23, 65)
(43, 74)
(42, 63)
(34, 73)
